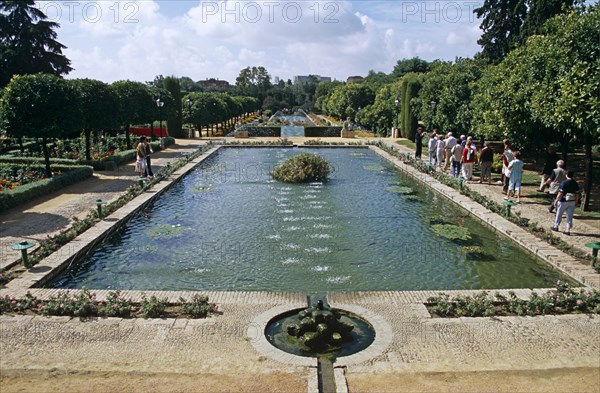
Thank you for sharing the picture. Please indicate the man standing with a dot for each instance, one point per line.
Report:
(566, 200)
(450, 142)
(558, 176)
(507, 157)
(551, 159)
(419, 143)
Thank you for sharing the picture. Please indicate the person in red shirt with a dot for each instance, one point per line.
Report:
(468, 158)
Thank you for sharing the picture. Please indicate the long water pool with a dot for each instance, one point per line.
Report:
(228, 226)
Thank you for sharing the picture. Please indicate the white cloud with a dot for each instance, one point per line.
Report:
(330, 38)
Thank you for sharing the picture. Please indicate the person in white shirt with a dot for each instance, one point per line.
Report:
(450, 142)
(432, 145)
(439, 151)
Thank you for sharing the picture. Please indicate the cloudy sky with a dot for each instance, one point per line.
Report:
(113, 40)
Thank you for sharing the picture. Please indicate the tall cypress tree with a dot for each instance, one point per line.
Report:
(508, 23)
(175, 120)
(28, 42)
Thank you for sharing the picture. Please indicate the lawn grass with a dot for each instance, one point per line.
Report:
(408, 143)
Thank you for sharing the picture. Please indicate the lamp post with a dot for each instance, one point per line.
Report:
(433, 104)
(160, 103)
(189, 104)
(397, 102)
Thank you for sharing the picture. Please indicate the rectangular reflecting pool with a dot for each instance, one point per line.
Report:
(228, 226)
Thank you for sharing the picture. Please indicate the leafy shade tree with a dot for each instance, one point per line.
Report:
(136, 105)
(375, 80)
(549, 88)
(508, 23)
(28, 42)
(450, 85)
(40, 106)
(174, 121)
(383, 113)
(254, 82)
(323, 92)
(346, 100)
(98, 104)
(405, 66)
(566, 91)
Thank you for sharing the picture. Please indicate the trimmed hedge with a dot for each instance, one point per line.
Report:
(119, 158)
(27, 192)
(323, 132)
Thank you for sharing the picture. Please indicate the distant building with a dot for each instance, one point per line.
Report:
(354, 79)
(213, 84)
(304, 79)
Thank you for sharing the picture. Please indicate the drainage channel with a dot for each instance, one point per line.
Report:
(325, 374)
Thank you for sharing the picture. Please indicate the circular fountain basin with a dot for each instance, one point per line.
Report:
(363, 335)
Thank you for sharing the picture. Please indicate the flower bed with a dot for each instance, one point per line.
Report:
(562, 300)
(64, 176)
(84, 303)
(12, 177)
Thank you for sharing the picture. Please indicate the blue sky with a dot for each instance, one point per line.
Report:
(113, 40)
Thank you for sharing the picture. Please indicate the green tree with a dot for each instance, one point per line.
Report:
(383, 113)
(549, 88)
(409, 102)
(347, 99)
(323, 92)
(98, 104)
(253, 81)
(136, 105)
(405, 66)
(450, 86)
(566, 95)
(501, 25)
(28, 42)
(40, 106)
(175, 120)
(507, 23)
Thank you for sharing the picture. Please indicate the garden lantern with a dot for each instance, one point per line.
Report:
(23, 247)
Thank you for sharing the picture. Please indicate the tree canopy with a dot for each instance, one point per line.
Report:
(28, 42)
(40, 106)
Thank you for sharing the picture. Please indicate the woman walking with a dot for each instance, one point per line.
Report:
(516, 175)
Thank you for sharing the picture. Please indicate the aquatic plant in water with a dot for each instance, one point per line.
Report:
(302, 168)
(400, 190)
(166, 231)
(452, 232)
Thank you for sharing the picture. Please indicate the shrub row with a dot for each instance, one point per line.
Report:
(561, 300)
(25, 193)
(119, 158)
(84, 304)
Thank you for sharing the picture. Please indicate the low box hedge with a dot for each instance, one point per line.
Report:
(322, 132)
(25, 193)
(122, 157)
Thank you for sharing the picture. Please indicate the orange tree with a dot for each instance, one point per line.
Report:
(40, 106)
